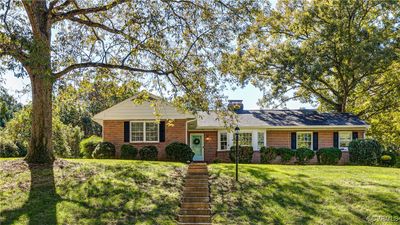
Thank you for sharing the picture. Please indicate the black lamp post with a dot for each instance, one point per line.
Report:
(237, 152)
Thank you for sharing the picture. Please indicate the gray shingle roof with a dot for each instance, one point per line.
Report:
(282, 118)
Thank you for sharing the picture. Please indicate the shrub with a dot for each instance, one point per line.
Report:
(149, 152)
(389, 159)
(217, 160)
(267, 154)
(180, 152)
(286, 154)
(245, 154)
(365, 152)
(303, 155)
(329, 156)
(8, 149)
(104, 150)
(88, 145)
(128, 151)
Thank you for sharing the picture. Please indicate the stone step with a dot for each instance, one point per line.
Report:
(195, 212)
(194, 223)
(195, 205)
(197, 176)
(195, 218)
(196, 199)
(188, 181)
(196, 194)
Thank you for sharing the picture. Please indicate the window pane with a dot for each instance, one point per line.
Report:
(151, 131)
(260, 141)
(223, 141)
(304, 140)
(137, 131)
(345, 139)
(245, 139)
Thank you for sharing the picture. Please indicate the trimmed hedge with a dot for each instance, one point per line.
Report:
(303, 155)
(104, 150)
(365, 152)
(286, 154)
(8, 149)
(329, 156)
(245, 154)
(149, 152)
(181, 152)
(267, 154)
(88, 145)
(128, 151)
(389, 162)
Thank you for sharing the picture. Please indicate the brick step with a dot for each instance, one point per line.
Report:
(195, 212)
(194, 223)
(196, 181)
(196, 199)
(195, 218)
(197, 176)
(198, 169)
(196, 194)
(195, 189)
(195, 205)
(198, 164)
(199, 185)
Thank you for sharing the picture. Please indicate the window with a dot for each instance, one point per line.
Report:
(304, 140)
(345, 138)
(223, 141)
(245, 139)
(144, 132)
(260, 140)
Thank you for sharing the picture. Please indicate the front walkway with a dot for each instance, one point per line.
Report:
(195, 205)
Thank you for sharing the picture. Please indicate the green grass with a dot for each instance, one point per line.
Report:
(90, 192)
(289, 194)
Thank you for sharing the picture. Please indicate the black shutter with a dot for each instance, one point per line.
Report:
(336, 139)
(293, 142)
(162, 131)
(315, 141)
(126, 131)
(355, 135)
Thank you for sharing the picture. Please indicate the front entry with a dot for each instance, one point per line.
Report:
(197, 145)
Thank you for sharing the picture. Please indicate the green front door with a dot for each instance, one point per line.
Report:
(197, 145)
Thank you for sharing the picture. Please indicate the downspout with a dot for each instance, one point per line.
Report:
(186, 129)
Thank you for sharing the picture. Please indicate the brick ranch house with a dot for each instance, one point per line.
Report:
(127, 123)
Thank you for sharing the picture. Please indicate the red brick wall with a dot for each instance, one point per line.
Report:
(210, 144)
(113, 131)
(278, 138)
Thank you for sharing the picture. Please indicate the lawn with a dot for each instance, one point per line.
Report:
(288, 194)
(90, 192)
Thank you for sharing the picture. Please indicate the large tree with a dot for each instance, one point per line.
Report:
(176, 43)
(328, 52)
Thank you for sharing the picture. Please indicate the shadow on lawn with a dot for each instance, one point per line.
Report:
(40, 208)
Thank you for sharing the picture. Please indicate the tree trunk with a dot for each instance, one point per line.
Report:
(41, 148)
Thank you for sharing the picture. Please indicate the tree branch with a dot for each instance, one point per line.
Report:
(109, 66)
(61, 16)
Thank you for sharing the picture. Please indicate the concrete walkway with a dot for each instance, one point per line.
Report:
(195, 205)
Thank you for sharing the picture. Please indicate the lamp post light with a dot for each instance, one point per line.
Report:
(237, 129)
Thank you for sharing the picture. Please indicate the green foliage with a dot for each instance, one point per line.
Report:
(8, 148)
(88, 145)
(303, 155)
(217, 160)
(8, 106)
(329, 156)
(388, 158)
(286, 154)
(179, 152)
(245, 154)
(365, 152)
(267, 154)
(149, 152)
(385, 127)
(104, 150)
(128, 151)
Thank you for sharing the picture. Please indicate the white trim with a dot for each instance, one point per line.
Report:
(219, 141)
(304, 132)
(187, 131)
(254, 138)
(320, 127)
(345, 149)
(202, 148)
(144, 131)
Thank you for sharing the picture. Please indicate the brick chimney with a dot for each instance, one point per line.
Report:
(236, 105)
